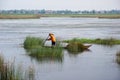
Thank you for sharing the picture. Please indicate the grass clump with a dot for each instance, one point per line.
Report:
(118, 57)
(109, 41)
(40, 52)
(19, 16)
(8, 71)
(109, 16)
(32, 42)
(75, 47)
(45, 53)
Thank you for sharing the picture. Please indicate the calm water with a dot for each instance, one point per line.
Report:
(97, 64)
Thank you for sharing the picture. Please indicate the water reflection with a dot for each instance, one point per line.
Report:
(48, 59)
(76, 53)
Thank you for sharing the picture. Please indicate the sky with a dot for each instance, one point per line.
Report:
(60, 4)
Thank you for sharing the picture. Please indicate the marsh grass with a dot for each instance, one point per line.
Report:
(75, 47)
(109, 16)
(8, 71)
(19, 16)
(109, 41)
(32, 42)
(37, 50)
(118, 57)
(32, 16)
(46, 52)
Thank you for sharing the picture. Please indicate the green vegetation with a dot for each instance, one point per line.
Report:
(118, 57)
(19, 16)
(34, 16)
(35, 48)
(8, 71)
(32, 42)
(45, 53)
(110, 41)
(75, 47)
(110, 16)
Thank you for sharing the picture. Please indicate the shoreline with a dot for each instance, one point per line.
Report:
(107, 16)
(19, 16)
(37, 16)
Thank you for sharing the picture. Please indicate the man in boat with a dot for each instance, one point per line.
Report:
(52, 38)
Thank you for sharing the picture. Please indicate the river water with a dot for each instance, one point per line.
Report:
(97, 64)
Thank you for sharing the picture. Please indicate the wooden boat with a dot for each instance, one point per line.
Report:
(87, 46)
(64, 45)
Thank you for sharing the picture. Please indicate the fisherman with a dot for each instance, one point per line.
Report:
(52, 38)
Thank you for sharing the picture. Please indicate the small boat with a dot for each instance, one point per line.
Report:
(65, 46)
(87, 46)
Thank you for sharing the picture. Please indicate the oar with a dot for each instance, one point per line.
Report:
(44, 41)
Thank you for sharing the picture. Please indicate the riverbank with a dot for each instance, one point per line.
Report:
(19, 16)
(35, 16)
(108, 16)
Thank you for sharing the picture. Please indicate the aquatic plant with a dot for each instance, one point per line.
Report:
(42, 53)
(75, 47)
(8, 71)
(109, 41)
(118, 57)
(46, 51)
(37, 50)
(32, 42)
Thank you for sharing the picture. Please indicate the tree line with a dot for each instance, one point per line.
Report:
(43, 11)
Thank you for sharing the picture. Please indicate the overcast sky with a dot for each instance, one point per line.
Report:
(60, 4)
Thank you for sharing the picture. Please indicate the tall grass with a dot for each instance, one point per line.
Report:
(19, 16)
(8, 71)
(32, 42)
(45, 53)
(118, 57)
(109, 41)
(75, 47)
(109, 16)
(37, 50)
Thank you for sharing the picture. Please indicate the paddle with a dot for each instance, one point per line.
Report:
(44, 41)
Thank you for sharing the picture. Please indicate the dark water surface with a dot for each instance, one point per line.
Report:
(97, 64)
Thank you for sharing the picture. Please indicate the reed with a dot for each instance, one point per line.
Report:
(108, 16)
(19, 16)
(46, 52)
(8, 71)
(32, 42)
(75, 47)
(118, 57)
(109, 41)
(37, 50)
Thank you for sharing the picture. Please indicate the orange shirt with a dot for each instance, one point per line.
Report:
(52, 38)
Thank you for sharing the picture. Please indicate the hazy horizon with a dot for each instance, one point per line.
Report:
(60, 5)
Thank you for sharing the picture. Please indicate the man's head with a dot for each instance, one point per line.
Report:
(51, 34)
